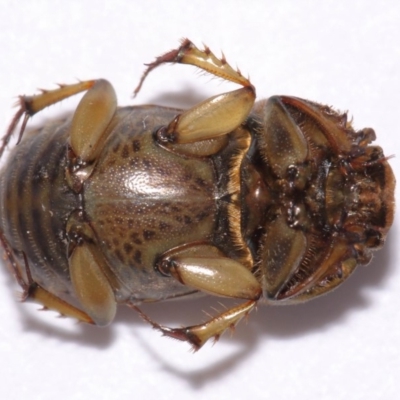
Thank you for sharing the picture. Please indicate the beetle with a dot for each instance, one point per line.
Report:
(277, 200)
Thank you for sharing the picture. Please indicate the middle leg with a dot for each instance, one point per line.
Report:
(214, 117)
(214, 274)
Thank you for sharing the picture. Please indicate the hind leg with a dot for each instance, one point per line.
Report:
(31, 291)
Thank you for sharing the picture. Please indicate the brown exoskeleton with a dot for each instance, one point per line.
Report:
(277, 200)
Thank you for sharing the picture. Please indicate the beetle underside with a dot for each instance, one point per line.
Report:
(279, 199)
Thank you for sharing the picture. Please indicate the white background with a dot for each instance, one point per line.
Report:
(342, 53)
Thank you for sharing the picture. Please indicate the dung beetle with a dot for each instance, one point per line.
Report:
(276, 201)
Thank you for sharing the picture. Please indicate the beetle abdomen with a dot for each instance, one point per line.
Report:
(35, 203)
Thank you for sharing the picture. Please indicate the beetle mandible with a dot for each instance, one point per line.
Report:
(276, 200)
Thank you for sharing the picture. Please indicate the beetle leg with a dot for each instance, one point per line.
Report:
(214, 117)
(31, 291)
(90, 120)
(198, 335)
(188, 53)
(91, 285)
(30, 105)
(219, 276)
(91, 278)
